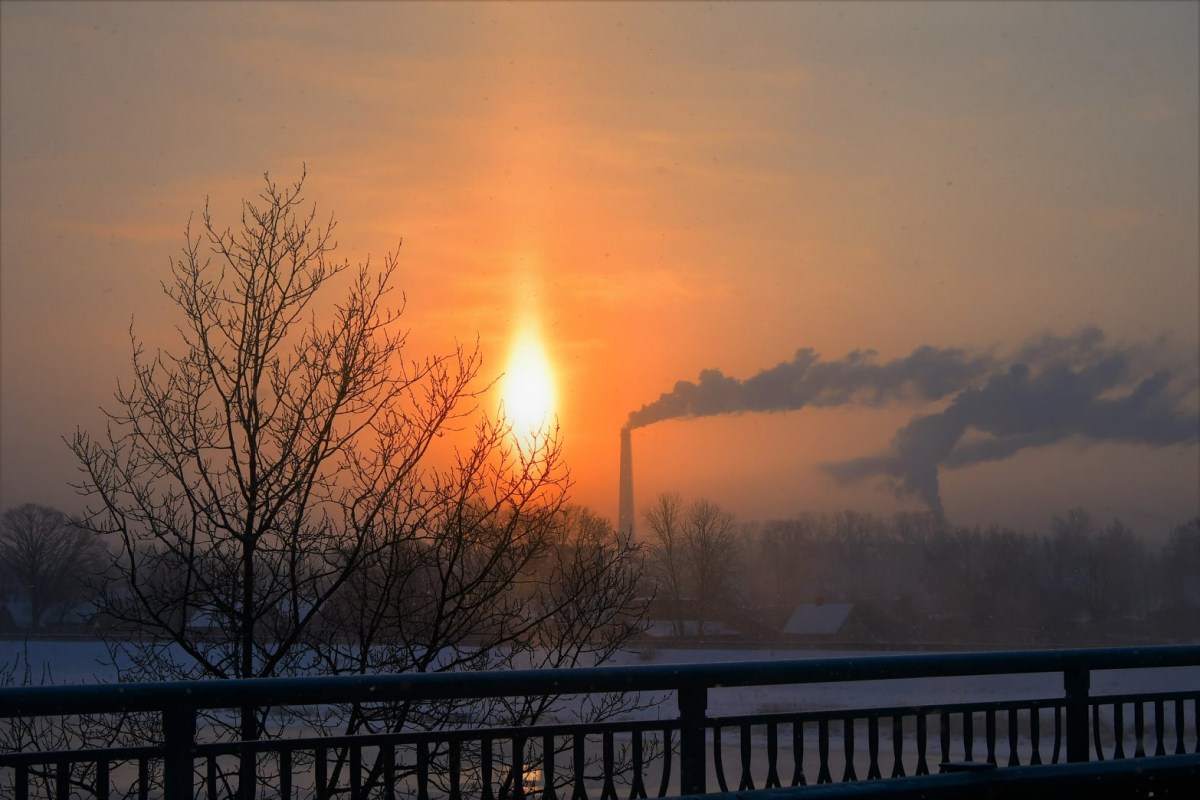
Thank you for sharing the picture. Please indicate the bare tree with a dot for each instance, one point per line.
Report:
(693, 554)
(271, 483)
(47, 559)
(711, 541)
(668, 555)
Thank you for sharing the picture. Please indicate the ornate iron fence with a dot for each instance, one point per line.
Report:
(583, 761)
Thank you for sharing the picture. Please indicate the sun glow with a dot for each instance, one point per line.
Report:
(528, 388)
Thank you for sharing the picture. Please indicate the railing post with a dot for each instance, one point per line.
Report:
(693, 703)
(1076, 683)
(179, 737)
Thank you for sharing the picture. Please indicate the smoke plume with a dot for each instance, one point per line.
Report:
(1048, 390)
(1060, 388)
(927, 374)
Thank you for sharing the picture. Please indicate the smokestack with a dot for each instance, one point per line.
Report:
(625, 507)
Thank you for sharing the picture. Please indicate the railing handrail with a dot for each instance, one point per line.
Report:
(261, 692)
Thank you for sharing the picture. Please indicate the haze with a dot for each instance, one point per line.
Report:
(640, 193)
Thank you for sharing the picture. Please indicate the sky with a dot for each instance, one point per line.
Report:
(881, 256)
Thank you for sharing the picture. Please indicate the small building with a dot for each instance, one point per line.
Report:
(817, 621)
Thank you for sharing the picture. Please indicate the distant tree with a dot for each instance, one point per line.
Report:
(272, 483)
(1181, 564)
(1097, 573)
(711, 543)
(667, 554)
(47, 559)
(693, 554)
(1063, 573)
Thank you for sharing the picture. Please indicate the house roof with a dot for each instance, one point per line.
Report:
(818, 620)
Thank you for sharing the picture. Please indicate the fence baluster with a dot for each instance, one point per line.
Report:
(898, 746)
(922, 742)
(355, 767)
(666, 767)
(322, 769)
(62, 780)
(548, 776)
(1180, 747)
(823, 775)
(873, 748)
(422, 771)
(968, 725)
(179, 736)
(1014, 760)
(579, 762)
(1160, 747)
(389, 771)
(103, 783)
(944, 734)
(1139, 729)
(637, 791)
(745, 782)
(21, 782)
(485, 768)
(989, 721)
(210, 777)
(1058, 731)
(1119, 730)
(718, 764)
(518, 768)
(456, 770)
(1096, 732)
(848, 750)
(798, 778)
(772, 757)
(143, 779)
(1035, 735)
(609, 791)
(693, 705)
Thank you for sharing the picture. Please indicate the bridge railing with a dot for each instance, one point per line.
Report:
(689, 752)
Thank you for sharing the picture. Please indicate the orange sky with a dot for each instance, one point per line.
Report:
(657, 188)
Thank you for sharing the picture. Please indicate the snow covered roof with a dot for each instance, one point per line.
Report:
(818, 620)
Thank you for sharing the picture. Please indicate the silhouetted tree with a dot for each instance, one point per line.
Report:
(47, 559)
(271, 483)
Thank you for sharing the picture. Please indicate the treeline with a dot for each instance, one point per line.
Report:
(913, 578)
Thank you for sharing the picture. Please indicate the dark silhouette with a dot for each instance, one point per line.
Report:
(270, 485)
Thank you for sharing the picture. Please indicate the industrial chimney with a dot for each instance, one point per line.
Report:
(625, 506)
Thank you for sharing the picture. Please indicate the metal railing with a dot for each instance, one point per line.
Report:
(516, 762)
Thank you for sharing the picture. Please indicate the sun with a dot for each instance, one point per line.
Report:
(528, 387)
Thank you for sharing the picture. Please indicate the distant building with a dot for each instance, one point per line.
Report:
(817, 621)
